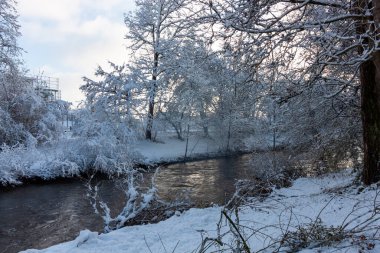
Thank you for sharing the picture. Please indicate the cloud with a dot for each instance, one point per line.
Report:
(63, 10)
(69, 85)
(69, 38)
(51, 10)
(67, 23)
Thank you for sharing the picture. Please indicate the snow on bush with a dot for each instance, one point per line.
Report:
(102, 144)
(12, 164)
(18, 162)
(99, 143)
(12, 132)
(27, 116)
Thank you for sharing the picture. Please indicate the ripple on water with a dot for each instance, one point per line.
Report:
(38, 216)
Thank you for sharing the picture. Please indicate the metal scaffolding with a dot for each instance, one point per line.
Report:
(47, 87)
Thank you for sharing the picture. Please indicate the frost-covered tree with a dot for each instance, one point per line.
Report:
(26, 118)
(192, 77)
(337, 42)
(208, 88)
(113, 94)
(154, 31)
(9, 51)
(106, 125)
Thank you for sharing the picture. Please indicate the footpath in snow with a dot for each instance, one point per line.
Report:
(326, 214)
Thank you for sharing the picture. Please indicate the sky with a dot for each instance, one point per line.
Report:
(68, 39)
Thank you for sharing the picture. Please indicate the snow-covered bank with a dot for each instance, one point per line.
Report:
(172, 149)
(70, 156)
(19, 163)
(168, 148)
(324, 203)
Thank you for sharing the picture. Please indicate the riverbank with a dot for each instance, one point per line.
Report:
(324, 214)
(169, 149)
(68, 158)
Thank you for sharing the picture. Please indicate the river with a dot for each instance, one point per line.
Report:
(41, 215)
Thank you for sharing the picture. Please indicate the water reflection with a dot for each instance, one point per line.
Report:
(210, 181)
(38, 216)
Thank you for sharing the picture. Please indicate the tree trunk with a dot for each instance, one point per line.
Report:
(204, 123)
(370, 109)
(149, 125)
(152, 95)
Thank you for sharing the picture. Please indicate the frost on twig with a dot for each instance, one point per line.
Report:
(142, 204)
(136, 199)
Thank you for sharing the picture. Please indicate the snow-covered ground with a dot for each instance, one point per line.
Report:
(311, 205)
(171, 149)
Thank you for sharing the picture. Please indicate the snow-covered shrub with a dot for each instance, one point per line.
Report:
(38, 117)
(274, 166)
(23, 162)
(55, 167)
(314, 234)
(101, 138)
(106, 127)
(30, 120)
(102, 144)
(12, 164)
(12, 132)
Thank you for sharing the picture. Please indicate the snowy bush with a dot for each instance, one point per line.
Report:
(102, 144)
(35, 149)
(274, 166)
(57, 167)
(12, 132)
(28, 125)
(39, 118)
(23, 162)
(28, 119)
(12, 164)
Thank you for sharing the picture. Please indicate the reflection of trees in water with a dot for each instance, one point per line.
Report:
(204, 181)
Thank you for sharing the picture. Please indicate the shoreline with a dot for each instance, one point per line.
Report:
(146, 166)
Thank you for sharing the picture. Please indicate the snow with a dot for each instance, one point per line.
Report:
(171, 148)
(168, 148)
(333, 199)
(29, 162)
(70, 156)
(136, 238)
(84, 236)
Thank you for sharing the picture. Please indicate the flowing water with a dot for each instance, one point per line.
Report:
(40, 215)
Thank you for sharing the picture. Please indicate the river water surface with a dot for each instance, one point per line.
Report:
(40, 215)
